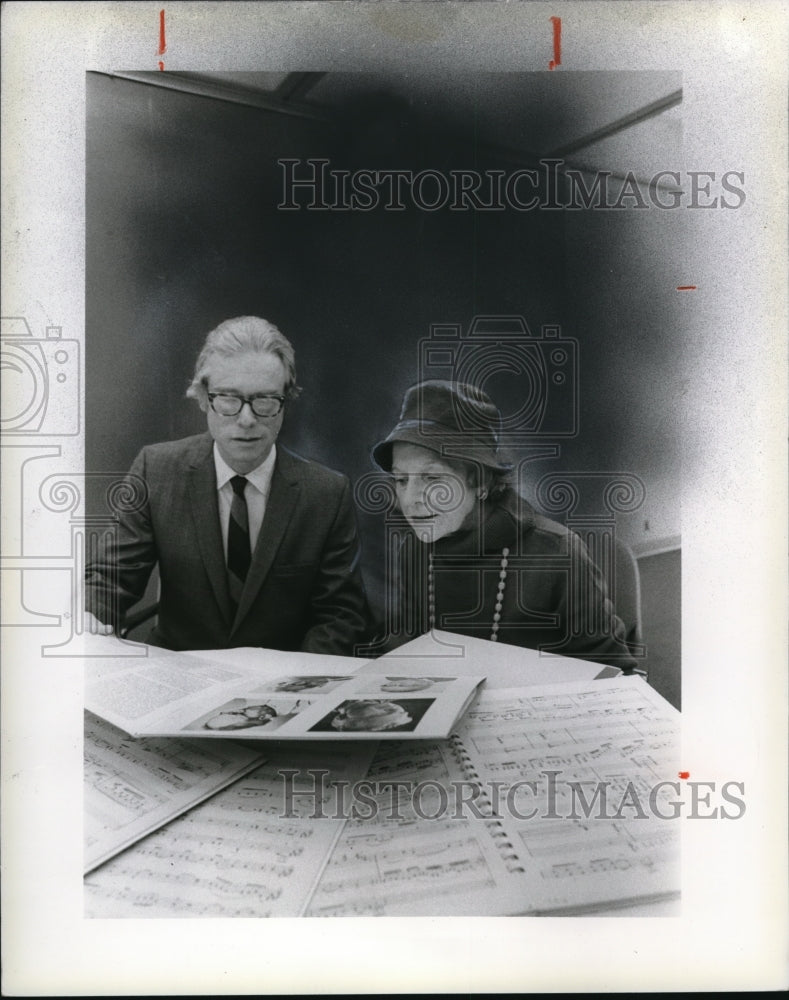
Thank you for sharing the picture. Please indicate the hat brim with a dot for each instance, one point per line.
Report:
(448, 445)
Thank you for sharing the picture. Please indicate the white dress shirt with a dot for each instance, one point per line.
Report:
(255, 493)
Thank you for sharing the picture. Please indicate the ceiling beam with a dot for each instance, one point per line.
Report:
(219, 90)
(295, 86)
(627, 121)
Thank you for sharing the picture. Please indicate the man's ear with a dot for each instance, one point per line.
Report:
(201, 395)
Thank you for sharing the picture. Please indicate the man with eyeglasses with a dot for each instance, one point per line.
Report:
(255, 545)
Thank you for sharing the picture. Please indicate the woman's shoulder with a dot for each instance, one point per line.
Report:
(536, 532)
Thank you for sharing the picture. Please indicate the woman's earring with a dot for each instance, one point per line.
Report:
(483, 494)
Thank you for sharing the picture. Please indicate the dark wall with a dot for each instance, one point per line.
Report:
(183, 231)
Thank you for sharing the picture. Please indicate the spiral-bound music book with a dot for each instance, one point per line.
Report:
(545, 800)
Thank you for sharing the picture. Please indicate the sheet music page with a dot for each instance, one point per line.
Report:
(465, 834)
(395, 860)
(588, 777)
(133, 786)
(249, 851)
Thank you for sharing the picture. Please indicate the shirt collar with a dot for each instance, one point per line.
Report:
(259, 477)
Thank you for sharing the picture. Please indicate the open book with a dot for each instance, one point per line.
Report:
(549, 799)
(273, 695)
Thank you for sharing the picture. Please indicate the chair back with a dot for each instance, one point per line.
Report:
(625, 592)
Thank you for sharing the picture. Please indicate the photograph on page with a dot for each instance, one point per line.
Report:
(169, 693)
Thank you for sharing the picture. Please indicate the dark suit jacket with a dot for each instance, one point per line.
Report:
(304, 588)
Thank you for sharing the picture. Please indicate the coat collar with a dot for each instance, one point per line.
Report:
(492, 527)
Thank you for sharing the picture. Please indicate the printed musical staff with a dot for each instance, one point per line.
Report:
(236, 855)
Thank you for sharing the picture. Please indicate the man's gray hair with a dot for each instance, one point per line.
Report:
(241, 335)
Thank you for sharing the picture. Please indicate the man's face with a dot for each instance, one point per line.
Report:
(244, 441)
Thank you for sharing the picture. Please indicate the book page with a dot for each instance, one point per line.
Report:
(440, 652)
(137, 693)
(180, 695)
(134, 786)
(493, 821)
(253, 850)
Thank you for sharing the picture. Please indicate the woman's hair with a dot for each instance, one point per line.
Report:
(243, 335)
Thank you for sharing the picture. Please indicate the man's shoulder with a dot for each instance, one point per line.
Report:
(306, 470)
(184, 450)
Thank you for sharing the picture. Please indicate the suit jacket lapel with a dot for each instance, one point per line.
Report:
(282, 501)
(204, 506)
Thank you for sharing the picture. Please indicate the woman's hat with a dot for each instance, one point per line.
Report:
(456, 420)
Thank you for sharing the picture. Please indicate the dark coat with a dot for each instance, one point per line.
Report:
(554, 597)
(304, 588)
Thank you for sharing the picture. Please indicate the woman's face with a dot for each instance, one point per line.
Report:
(435, 495)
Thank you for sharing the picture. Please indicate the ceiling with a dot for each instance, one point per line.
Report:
(612, 121)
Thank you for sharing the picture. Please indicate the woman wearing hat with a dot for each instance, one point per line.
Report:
(482, 561)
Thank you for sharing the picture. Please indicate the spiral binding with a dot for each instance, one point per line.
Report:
(495, 828)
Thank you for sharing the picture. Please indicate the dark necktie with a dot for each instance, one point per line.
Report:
(239, 554)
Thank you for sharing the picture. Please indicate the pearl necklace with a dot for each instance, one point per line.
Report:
(431, 594)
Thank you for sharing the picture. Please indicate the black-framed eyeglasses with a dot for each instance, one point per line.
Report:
(227, 405)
